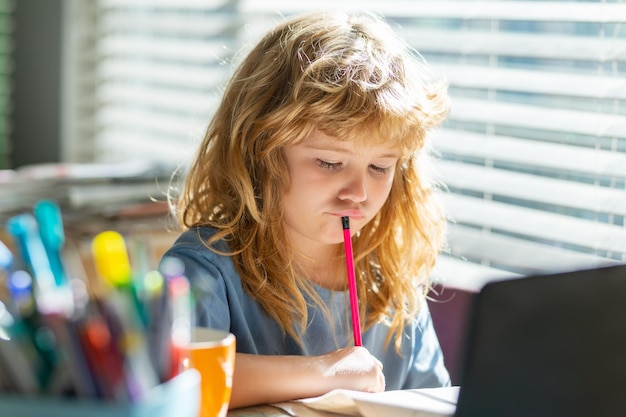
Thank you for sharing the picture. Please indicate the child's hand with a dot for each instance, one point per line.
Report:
(266, 379)
(353, 368)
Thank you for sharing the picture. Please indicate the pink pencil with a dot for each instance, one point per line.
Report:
(354, 301)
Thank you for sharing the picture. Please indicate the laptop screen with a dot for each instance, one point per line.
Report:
(552, 345)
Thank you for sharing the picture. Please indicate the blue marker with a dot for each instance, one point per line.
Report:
(52, 236)
(50, 223)
(48, 297)
(24, 230)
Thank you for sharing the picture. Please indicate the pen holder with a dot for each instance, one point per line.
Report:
(178, 397)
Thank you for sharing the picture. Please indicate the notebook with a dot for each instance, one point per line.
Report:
(552, 345)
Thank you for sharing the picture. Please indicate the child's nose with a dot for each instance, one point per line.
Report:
(354, 188)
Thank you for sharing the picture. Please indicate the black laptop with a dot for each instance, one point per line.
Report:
(551, 345)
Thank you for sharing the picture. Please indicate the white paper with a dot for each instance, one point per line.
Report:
(427, 402)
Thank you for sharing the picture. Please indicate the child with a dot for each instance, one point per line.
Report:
(326, 117)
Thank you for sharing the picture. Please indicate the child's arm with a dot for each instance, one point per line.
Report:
(268, 379)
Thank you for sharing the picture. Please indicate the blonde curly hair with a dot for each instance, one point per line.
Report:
(341, 73)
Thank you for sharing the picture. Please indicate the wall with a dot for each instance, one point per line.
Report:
(36, 115)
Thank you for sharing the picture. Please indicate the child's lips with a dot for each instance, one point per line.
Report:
(352, 213)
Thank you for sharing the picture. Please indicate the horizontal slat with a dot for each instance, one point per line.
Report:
(162, 124)
(462, 274)
(119, 145)
(180, 75)
(538, 82)
(550, 156)
(468, 10)
(544, 46)
(537, 224)
(188, 50)
(565, 194)
(168, 4)
(173, 23)
(519, 255)
(165, 100)
(534, 117)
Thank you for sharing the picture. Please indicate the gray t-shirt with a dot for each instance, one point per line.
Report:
(222, 303)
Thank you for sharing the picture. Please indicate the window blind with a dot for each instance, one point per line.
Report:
(157, 70)
(533, 153)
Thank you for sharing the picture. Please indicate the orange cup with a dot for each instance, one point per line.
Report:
(212, 353)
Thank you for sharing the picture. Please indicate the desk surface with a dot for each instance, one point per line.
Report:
(258, 411)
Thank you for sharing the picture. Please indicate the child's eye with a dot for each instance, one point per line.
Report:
(379, 170)
(329, 165)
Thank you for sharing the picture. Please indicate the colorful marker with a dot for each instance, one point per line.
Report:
(160, 336)
(113, 264)
(30, 331)
(25, 232)
(180, 333)
(48, 216)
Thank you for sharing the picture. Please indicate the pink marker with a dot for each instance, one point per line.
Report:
(354, 301)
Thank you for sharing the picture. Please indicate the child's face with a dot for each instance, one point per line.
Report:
(330, 179)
